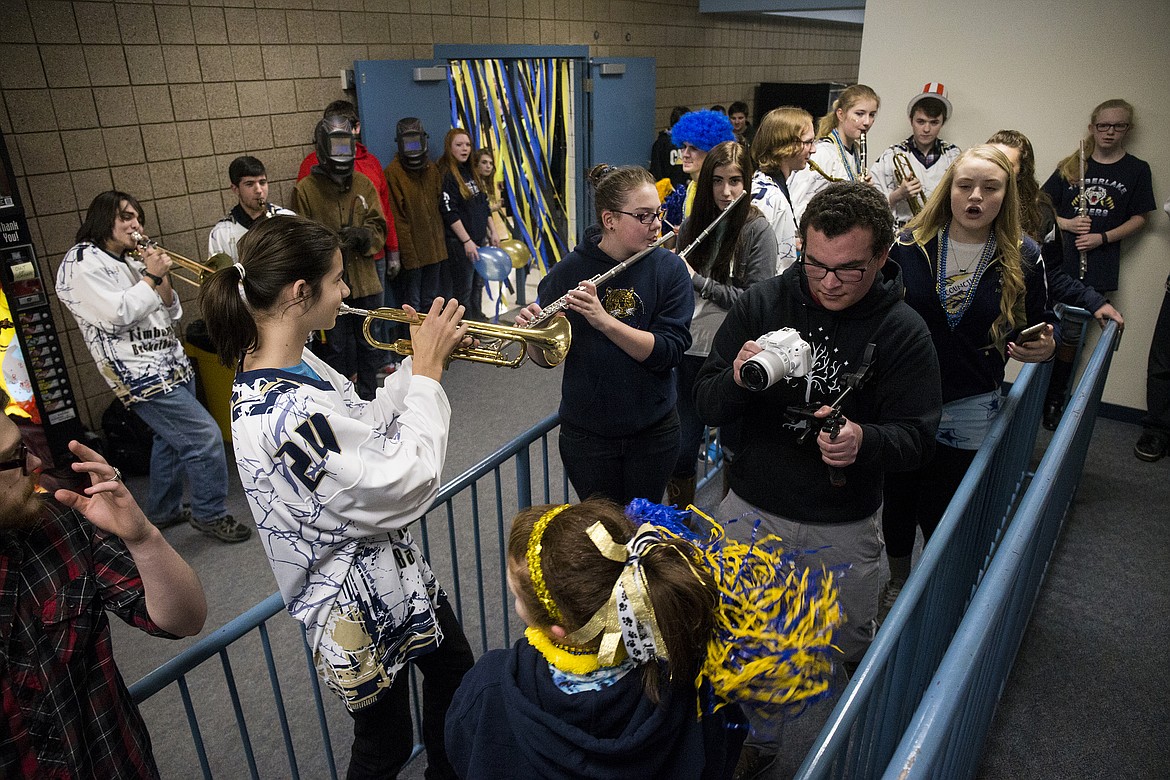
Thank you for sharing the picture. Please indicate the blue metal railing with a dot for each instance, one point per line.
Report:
(946, 735)
(876, 706)
(457, 501)
(881, 700)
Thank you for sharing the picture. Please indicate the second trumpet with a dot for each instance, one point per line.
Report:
(552, 339)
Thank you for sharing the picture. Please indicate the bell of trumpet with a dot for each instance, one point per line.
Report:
(183, 268)
(552, 338)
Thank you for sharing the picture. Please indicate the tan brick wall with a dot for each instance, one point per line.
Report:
(157, 98)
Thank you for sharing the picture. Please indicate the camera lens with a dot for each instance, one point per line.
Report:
(763, 369)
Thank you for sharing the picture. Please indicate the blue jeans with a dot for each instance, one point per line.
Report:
(418, 286)
(186, 441)
(623, 468)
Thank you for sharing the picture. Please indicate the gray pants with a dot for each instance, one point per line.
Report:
(857, 545)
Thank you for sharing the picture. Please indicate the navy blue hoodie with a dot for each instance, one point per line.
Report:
(605, 391)
(509, 720)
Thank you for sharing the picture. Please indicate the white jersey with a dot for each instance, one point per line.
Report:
(886, 182)
(773, 204)
(834, 160)
(129, 331)
(332, 482)
(226, 233)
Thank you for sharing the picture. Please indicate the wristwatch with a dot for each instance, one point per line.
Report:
(153, 277)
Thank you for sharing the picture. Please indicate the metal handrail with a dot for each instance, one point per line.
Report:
(946, 735)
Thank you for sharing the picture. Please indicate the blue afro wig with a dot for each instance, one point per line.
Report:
(702, 130)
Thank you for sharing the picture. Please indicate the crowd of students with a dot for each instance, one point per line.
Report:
(881, 304)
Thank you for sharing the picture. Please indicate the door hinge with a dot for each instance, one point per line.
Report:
(587, 85)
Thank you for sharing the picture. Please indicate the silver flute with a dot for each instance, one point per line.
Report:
(562, 303)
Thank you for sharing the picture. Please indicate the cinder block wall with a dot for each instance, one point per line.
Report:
(157, 98)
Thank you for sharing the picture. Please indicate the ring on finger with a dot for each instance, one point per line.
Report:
(117, 477)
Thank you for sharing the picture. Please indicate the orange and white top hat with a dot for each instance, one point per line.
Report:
(932, 90)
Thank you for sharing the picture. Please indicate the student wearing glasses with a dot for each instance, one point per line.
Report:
(1119, 195)
(842, 297)
(781, 150)
(619, 434)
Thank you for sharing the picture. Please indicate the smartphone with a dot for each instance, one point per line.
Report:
(1030, 333)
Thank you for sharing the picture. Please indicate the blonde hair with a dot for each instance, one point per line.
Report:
(848, 98)
(1070, 167)
(778, 137)
(936, 215)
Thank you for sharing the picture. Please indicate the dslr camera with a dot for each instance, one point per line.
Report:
(785, 354)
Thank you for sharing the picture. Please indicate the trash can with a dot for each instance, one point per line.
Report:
(214, 378)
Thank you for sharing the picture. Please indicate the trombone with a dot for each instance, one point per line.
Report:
(199, 271)
(902, 172)
(553, 339)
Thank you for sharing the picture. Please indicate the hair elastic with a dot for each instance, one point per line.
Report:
(240, 267)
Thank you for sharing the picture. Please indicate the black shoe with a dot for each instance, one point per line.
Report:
(225, 529)
(753, 762)
(1053, 409)
(1151, 446)
(182, 516)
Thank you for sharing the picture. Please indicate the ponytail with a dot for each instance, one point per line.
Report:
(277, 252)
(612, 186)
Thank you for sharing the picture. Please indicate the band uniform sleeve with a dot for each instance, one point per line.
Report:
(348, 477)
(102, 293)
(883, 172)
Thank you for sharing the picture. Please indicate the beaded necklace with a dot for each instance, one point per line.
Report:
(940, 284)
(847, 158)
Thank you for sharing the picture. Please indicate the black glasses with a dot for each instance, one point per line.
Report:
(844, 275)
(1105, 127)
(19, 462)
(646, 218)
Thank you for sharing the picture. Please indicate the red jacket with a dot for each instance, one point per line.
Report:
(368, 164)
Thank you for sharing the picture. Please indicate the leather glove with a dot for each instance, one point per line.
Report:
(356, 240)
(393, 263)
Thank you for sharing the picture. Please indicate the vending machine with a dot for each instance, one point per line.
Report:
(32, 357)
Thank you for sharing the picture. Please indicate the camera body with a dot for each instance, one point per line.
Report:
(785, 354)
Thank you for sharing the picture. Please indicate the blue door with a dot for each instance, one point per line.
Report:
(387, 91)
(621, 110)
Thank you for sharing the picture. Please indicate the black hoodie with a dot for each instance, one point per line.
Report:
(898, 407)
(509, 720)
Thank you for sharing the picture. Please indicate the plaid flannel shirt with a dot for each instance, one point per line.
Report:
(66, 711)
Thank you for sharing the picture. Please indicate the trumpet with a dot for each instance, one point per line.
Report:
(818, 169)
(199, 271)
(552, 339)
(904, 172)
(562, 303)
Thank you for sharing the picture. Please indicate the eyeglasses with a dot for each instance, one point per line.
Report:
(809, 142)
(844, 275)
(646, 217)
(19, 462)
(1105, 127)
